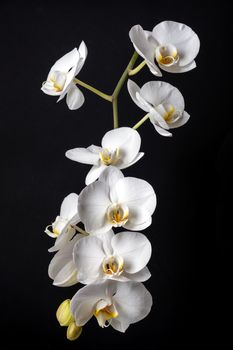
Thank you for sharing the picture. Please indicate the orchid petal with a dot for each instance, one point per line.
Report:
(83, 155)
(92, 207)
(75, 97)
(127, 140)
(134, 248)
(94, 173)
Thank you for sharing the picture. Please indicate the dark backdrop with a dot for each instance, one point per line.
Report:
(190, 172)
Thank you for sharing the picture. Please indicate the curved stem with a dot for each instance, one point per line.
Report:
(136, 126)
(137, 69)
(94, 90)
(119, 86)
(124, 75)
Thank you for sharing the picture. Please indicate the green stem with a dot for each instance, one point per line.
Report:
(119, 86)
(137, 69)
(94, 90)
(136, 126)
(115, 113)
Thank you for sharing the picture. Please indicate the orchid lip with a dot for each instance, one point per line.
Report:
(105, 314)
(108, 157)
(58, 79)
(166, 55)
(113, 265)
(118, 214)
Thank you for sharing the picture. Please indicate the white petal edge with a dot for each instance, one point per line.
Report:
(139, 156)
(133, 303)
(133, 89)
(134, 248)
(75, 97)
(182, 121)
(69, 206)
(94, 173)
(126, 139)
(140, 276)
(160, 130)
(83, 155)
(92, 207)
(67, 61)
(178, 69)
(88, 256)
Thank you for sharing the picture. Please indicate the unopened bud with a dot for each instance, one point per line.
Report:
(73, 331)
(63, 313)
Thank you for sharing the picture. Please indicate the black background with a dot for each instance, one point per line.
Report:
(190, 172)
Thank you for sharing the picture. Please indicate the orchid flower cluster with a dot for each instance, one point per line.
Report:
(112, 266)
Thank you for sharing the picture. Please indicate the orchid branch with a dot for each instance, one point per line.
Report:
(141, 121)
(94, 90)
(119, 86)
(137, 69)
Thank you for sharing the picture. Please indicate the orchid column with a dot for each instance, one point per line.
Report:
(112, 266)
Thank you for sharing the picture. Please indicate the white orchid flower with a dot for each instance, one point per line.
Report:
(171, 45)
(114, 201)
(62, 269)
(120, 148)
(163, 102)
(60, 78)
(62, 227)
(112, 303)
(121, 257)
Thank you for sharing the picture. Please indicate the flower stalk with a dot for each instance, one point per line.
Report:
(141, 121)
(118, 88)
(137, 69)
(94, 90)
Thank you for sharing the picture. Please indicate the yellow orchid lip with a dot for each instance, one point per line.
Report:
(58, 80)
(166, 55)
(113, 265)
(118, 214)
(105, 315)
(168, 116)
(108, 157)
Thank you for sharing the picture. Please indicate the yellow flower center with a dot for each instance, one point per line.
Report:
(58, 80)
(108, 157)
(113, 265)
(118, 214)
(104, 314)
(166, 55)
(168, 115)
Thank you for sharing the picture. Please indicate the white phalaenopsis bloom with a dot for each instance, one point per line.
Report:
(62, 269)
(114, 201)
(171, 45)
(60, 80)
(163, 102)
(121, 257)
(62, 227)
(112, 303)
(120, 148)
